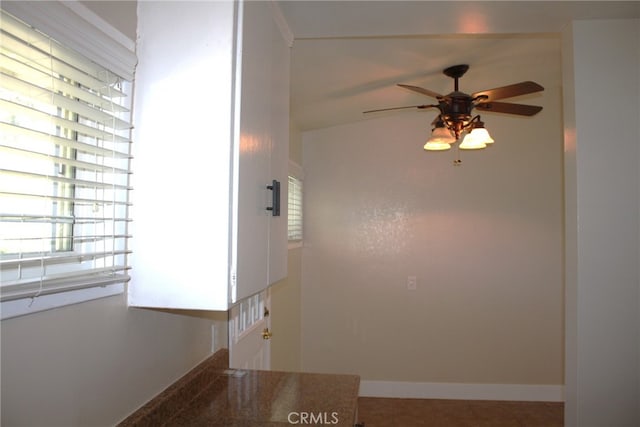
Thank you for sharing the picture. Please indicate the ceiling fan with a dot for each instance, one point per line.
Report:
(456, 110)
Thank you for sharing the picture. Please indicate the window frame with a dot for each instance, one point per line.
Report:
(295, 171)
(78, 28)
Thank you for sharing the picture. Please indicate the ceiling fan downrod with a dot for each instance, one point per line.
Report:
(455, 72)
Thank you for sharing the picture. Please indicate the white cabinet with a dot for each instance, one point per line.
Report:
(211, 117)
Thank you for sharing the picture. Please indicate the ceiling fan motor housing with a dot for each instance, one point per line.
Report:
(455, 110)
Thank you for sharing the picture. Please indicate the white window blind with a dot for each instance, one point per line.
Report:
(64, 167)
(295, 209)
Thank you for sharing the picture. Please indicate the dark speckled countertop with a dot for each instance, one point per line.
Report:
(212, 395)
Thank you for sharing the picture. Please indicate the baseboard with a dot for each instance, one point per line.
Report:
(519, 392)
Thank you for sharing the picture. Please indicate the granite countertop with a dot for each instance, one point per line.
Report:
(212, 395)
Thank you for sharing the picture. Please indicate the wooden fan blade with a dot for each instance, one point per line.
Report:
(517, 89)
(399, 108)
(509, 108)
(422, 91)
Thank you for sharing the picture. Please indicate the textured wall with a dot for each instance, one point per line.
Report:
(485, 241)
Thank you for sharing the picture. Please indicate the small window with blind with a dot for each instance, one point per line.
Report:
(294, 225)
(64, 171)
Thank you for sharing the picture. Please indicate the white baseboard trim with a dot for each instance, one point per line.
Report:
(519, 392)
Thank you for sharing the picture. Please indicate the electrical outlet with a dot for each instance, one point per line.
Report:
(412, 283)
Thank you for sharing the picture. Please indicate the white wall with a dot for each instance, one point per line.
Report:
(122, 15)
(93, 364)
(485, 241)
(602, 163)
(285, 317)
(285, 295)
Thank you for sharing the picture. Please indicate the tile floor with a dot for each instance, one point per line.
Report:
(379, 412)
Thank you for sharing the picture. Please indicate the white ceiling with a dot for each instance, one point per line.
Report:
(348, 56)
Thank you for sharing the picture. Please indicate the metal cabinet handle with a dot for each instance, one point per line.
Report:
(275, 198)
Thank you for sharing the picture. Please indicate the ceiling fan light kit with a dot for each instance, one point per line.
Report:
(456, 118)
(477, 138)
(441, 138)
(472, 142)
(436, 146)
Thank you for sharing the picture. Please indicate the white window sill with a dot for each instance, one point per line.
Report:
(21, 307)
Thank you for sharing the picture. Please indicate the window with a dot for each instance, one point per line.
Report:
(294, 225)
(250, 311)
(64, 169)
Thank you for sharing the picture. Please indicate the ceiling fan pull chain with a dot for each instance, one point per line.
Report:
(457, 161)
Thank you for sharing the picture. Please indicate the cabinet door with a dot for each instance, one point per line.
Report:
(278, 251)
(262, 149)
(253, 153)
(182, 155)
